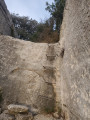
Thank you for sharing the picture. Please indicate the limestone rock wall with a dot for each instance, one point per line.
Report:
(75, 67)
(51, 75)
(6, 25)
(27, 73)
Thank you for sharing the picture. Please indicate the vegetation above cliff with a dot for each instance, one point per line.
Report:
(56, 10)
(31, 30)
(47, 31)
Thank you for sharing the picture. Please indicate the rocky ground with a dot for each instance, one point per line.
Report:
(22, 112)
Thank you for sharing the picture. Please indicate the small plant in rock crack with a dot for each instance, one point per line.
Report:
(49, 110)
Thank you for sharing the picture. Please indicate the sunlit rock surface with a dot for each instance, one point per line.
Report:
(51, 76)
(26, 73)
(75, 67)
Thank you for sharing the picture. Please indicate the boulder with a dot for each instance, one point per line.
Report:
(13, 109)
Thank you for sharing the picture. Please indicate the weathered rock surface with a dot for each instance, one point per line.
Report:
(75, 65)
(17, 109)
(34, 111)
(0, 90)
(26, 73)
(51, 76)
(56, 115)
(44, 117)
(0, 94)
(6, 117)
(0, 110)
(6, 25)
(16, 113)
(24, 117)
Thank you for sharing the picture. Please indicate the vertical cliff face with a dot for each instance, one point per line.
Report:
(6, 25)
(26, 73)
(75, 68)
(49, 76)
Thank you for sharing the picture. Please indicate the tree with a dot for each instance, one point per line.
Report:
(46, 33)
(24, 26)
(31, 30)
(56, 10)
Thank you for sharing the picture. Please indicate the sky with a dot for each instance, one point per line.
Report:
(34, 9)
